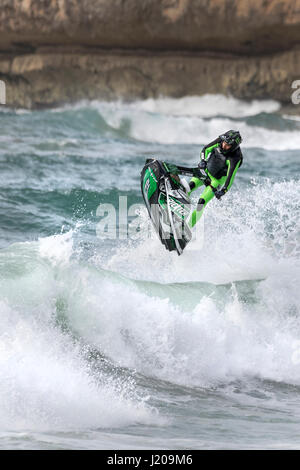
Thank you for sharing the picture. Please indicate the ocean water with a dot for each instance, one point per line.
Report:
(113, 342)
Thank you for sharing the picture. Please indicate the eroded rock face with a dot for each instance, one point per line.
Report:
(239, 26)
(64, 50)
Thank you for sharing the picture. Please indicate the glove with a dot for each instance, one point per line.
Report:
(219, 193)
(202, 165)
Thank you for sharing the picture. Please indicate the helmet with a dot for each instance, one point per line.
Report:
(232, 138)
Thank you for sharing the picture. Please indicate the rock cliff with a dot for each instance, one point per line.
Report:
(55, 51)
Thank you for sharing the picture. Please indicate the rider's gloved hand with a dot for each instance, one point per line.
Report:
(219, 193)
(202, 165)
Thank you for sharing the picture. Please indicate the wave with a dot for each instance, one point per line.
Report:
(195, 120)
(47, 377)
(46, 384)
(168, 121)
(223, 312)
(187, 120)
(205, 106)
(90, 328)
(202, 335)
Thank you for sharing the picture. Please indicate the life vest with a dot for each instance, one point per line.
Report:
(216, 163)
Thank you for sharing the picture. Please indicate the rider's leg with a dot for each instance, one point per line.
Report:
(204, 199)
(194, 184)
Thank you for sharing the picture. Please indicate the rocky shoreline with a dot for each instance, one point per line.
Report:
(67, 50)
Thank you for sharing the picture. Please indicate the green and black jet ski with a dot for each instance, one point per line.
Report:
(168, 204)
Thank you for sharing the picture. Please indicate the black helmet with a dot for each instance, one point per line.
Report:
(232, 138)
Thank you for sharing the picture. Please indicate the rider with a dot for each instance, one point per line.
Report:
(220, 160)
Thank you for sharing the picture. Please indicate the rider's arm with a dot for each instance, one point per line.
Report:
(233, 166)
(208, 148)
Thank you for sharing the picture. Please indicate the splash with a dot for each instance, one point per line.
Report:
(48, 380)
(226, 312)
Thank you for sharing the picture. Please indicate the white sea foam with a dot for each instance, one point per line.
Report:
(46, 382)
(206, 106)
(57, 248)
(194, 120)
(205, 340)
(252, 237)
(216, 341)
(170, 121)
(202, 342)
